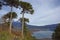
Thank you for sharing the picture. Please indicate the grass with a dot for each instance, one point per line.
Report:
(6, 36)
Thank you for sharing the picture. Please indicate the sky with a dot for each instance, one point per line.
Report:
(46, 12)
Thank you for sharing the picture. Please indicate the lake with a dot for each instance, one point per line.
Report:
(43, 34)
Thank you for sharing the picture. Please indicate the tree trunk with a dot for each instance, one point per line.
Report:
(23, 26)
(11, 19)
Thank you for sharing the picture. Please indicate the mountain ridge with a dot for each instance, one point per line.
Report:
(52, 27)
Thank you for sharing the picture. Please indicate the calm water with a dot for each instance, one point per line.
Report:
(43, 34)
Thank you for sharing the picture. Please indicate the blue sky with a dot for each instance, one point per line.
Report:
(46, 12)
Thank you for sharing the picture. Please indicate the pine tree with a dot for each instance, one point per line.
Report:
(26, 8)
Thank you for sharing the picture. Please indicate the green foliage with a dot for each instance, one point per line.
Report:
(27, 7)
(27, 33)
(0, 5)
(13, 3)
(56, 34)
(25, 20)
(5, 36)
(8, 16)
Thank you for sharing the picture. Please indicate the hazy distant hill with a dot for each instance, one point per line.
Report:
(17, 25)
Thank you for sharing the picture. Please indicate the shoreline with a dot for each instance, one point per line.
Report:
(45, 39)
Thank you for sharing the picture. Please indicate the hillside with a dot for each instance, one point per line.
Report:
(32, 28)
(17, 25)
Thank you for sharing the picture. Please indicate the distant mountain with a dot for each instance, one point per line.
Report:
(17, 25)
(43, 28)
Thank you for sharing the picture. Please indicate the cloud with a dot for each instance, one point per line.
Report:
(48, 17)
(46, 12)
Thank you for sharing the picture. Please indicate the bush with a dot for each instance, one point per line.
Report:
(56, 34)
(6, 36)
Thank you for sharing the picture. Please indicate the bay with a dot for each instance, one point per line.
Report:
(43, 34)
